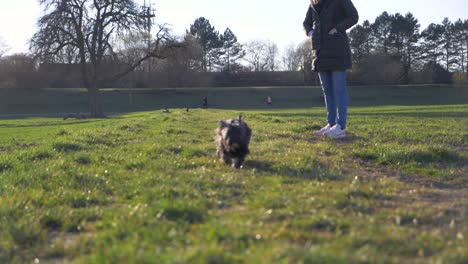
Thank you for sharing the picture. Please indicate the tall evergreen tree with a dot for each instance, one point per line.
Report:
(209, 40)
(460, 43)
(448, 44)
(432, 43)
(358, 38)
(465, 30)
(232, 50)
(382, 30)
(396, 38)
(361, 41)
(403, 41)
(369, 43)
(410, 38)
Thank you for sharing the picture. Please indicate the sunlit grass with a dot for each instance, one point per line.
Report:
(148, 188)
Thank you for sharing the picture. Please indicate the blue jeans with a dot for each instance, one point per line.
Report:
(335, 91)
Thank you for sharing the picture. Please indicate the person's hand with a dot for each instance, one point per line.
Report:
(333, 31)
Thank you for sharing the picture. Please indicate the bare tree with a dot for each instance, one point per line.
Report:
(272, 55)
(188, 58)
(255, 55)
(291, 58)
(184, 66)
(3, 47)
(304, 51)
(261, 55)
(88, 27)
(130, 47)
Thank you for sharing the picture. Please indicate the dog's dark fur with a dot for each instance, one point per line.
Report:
(232, 141)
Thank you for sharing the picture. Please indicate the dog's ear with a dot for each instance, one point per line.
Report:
(241, 118)
(222, 123)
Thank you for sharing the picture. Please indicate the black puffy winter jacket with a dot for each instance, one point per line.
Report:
(331, 52)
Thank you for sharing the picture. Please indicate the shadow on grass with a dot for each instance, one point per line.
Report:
(415, 114)
(46, 124)
(349, 139)
(317, 172)
(293, 115)
(451, 184)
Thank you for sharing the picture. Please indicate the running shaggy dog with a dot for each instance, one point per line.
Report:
(232, 141)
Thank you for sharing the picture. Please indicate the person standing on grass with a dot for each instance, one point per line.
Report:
(326, 23)
(205, 102)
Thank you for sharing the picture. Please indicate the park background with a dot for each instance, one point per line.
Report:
(142, 183)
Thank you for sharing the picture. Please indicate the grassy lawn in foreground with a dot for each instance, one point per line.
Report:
(147, 188)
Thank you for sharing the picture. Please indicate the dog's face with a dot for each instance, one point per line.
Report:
(231, 133)
(234, 136)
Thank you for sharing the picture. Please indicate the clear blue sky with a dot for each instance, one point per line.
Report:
(279, 21)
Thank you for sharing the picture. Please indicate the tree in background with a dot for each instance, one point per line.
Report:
(465, 30)
(305, 52)
(432, 42)
(88, 27)
(382, 30)
(255, 55)
(231, 50)
(272, 56)
(209, 40)
(18, 71)
(131, 46)
(396, 38)
(188, 58)
(184, 66)
(448, 44)
(460, 34)
(385, 50)
(261, 55)
(362, 41)
(3, 47)
(404, 39)
(292, 58)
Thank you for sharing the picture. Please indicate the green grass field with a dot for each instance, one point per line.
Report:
(52, 102)
(146, 186)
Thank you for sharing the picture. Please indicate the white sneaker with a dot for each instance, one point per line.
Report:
(336, 132)
(323, 130)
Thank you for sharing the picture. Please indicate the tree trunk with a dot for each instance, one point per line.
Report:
(447, 58)
(95, 103)
(467, 58)
(463, 60)
(204, 61)
(228, 61)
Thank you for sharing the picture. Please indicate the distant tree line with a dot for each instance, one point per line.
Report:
(391, 50)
